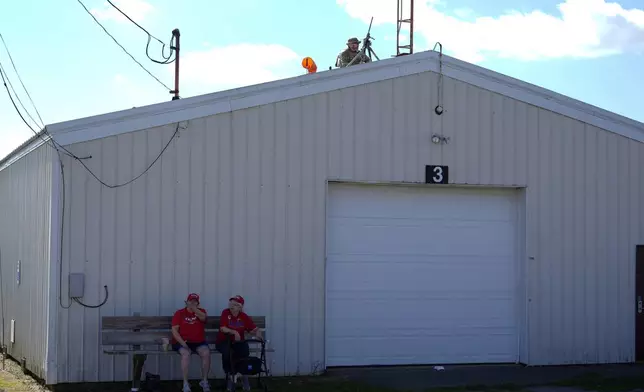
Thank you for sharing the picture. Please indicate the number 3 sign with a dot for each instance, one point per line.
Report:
(436, 174)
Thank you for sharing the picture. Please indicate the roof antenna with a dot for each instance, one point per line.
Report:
(176, 35)
(402, 20)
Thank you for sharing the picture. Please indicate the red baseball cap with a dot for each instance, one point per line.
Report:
(193, 297)
(238, 298)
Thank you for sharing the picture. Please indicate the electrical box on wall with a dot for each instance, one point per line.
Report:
(76, 285)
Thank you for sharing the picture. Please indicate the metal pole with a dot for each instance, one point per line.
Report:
(402, 19)
(177, 36)
(398, 25)
(411, 28)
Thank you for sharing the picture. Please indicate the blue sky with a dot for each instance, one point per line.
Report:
(591, 50)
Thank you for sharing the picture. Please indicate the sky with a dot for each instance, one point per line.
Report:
(590, 50)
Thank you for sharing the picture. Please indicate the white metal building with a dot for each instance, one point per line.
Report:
(308, 196)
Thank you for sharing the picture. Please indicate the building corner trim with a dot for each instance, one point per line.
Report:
(51, 350)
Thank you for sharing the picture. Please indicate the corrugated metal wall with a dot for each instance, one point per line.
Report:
(237, 205)
(25, 206)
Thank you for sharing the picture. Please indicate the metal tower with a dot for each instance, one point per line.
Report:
(402, 49)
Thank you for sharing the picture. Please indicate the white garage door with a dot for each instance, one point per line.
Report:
(419, 275)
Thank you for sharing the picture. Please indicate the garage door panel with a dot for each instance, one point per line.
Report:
(438, 348)
(435, 311)
(424, 237)
(447, 204)
(381, 317)
(439, 277)
(420, 276)
(448, 311)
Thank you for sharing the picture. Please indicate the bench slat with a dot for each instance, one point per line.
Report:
(160, 322)
(161, 352)
(142, 338)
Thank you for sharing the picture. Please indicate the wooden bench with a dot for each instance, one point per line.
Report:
(137, 331)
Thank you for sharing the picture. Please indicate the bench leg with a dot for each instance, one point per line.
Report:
(137, 369)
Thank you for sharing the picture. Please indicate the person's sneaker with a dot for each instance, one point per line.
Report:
(245, 383)
(186, 387)
(204, 385)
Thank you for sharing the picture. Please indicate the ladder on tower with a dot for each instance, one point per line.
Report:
(401, 48)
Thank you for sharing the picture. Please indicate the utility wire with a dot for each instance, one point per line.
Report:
(41, 125)
(176, 131)
(150, 36)
(23, 85)
(50, 142)
(121, 46)
(57, 146)
(7, 83)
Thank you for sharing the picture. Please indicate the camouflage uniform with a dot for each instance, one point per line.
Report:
(345, 57)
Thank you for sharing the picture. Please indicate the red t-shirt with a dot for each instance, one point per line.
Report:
(242, 323)
(191, 328)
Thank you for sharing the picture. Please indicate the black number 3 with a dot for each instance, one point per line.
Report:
(436, 174)
(438, 177)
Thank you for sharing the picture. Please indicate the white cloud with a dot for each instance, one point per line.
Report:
(132, 94)
(464, 13)
(207, 71)
(583, 28)
(138, 10)
(219, 68)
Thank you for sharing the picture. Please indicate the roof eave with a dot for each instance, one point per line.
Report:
(30, 144)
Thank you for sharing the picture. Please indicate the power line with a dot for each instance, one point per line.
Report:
(56, 145)
(121, 46)
(150, 36)
(41, 125)
(51, 142)
(13, 102)
(23, 85)
(176, 131)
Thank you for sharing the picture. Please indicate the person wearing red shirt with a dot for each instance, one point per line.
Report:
(189, 336)
(233, 325)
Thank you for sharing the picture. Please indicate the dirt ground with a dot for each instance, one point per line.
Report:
(13, 380)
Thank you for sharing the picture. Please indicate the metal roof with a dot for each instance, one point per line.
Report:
(110, 124)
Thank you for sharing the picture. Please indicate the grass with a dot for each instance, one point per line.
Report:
(479, 388)
(12, 380)
(598, 383)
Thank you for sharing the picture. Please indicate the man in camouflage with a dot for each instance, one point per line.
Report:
(345, 57)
